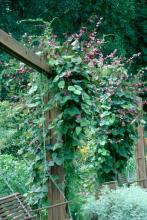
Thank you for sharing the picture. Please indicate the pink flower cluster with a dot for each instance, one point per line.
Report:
(91, 47)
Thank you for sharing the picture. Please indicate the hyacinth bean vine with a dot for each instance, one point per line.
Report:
(90, 91)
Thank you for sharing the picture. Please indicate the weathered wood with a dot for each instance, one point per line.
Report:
(14, 207)
(145, 142)
(140, 154)
(51, 206)
(57, 213)
(54, 195)
(10, 197)
(27, 56)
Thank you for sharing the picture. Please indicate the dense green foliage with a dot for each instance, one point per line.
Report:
(89, 91)
(116, 112)
(14, 79)
(11, 122)
(14, 175)
(92, 92)
(122, 204)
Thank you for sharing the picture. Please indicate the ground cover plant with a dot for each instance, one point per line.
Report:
(122, 204)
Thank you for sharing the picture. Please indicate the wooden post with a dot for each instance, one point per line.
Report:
(140, 154)
(54, 195)
(145, 142)
(27, 56)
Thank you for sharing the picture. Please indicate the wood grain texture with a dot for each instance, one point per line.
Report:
(22, 53)
(54, 195)
(14, 207)
(140, 154)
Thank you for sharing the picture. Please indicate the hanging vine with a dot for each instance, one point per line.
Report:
(89, 91)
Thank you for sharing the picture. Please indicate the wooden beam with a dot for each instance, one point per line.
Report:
(54, 195)
(140, 154)
(27, 56)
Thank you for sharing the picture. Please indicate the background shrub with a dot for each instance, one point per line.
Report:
(121, 204)
(15, 173)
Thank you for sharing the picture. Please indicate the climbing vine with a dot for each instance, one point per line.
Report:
(116, 120)
(69, 91)
(86, 90)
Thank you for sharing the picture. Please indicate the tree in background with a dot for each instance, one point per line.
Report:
(123, 25)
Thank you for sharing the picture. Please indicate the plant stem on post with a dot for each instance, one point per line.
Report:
(54, 194)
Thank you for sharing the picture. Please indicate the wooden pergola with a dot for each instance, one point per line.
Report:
(27, 56)
(22, 53)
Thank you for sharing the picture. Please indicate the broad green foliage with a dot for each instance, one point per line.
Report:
(91, 96)
(14, 79)
(13, 172)
(88, 91)
(7, 128)
(122, 204)
(115, 117)
(69, 90)
(11, 122)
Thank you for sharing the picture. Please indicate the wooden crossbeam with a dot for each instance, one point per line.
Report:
(27, 56)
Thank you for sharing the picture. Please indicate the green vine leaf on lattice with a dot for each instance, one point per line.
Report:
(61, 84)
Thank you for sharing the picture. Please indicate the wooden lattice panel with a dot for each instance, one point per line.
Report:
(14, 207)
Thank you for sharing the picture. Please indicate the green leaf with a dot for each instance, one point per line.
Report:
(78, 130)
(77, 92)
(108, 120)
(75, 89)
(65, 99)
(77, 60)
(56, 159)
(86, 98)
(71, 88)
(84, 122)
(61, 84)
(103, 142)
(54, 62)
(68, 57)
(33, 89)
(128, 106)
(59, 162)
(105, 113)
(72, 111)
(56, 78)
(78, 87)
(33, 105)
(111, 120)
(39, 121)
(56, 146)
